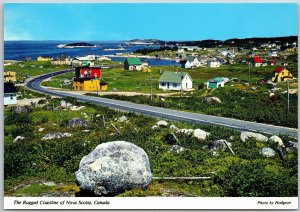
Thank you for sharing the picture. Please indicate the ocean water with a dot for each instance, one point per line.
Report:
(16, 50)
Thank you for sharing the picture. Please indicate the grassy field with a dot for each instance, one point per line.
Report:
(121, 80)
(237, 101)
(32, 68)
(35, 167)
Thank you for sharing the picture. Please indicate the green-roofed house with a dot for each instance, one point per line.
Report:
(216, 82)
(170, 80)
(133, 64)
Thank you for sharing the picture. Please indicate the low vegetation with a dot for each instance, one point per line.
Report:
(30, 164)
(237, 101)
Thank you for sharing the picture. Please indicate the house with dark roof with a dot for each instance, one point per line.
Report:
(190, 62)
(10, 94)
(133, 64)
(256, 61)
(61, 60)
(170, 80)
(282, 75)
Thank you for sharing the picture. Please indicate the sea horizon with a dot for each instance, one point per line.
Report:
(150, 39)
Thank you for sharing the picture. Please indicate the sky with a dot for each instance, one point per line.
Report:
(169, 21)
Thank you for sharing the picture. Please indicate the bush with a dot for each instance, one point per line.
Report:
(257, 179)
(17, 118)
(22, 130)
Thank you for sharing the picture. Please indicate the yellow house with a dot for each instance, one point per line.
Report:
(282, 75)
(43, 58)
(89, 84)
(10, 76)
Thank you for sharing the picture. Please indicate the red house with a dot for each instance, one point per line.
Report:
(87, 71)
(256, 61)
(272, 62)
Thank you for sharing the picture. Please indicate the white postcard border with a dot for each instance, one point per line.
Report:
(37, 203)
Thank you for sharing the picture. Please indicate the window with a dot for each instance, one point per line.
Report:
(11, 96)
(175, 85)
(163, 84)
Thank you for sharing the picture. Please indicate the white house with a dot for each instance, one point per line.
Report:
(190, 48)
(190, 62)
(273, 53)
(10, 94)
(213, 63)
(175, 81)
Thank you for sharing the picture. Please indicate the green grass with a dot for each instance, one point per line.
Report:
(238, 101)
(22, 72)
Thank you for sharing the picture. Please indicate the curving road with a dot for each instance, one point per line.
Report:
(175, 115)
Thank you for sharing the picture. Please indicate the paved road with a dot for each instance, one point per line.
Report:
(176, 115)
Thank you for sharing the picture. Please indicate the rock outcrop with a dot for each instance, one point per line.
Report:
(113, 167)
(50, 136)
(256, 136)
(76, 122)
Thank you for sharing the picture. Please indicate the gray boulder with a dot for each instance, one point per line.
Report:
(162, 123)
(154, 127)
(63, 103)
(20, 109)
(267, 152)
(186, 131)
(50, 136)
(212, 99)
(200, 134)
(75, 122)
(18, 138)
(176, 149)
(256, 136)
(173, 128)
(291, 146)
(113, 167)
(275, 139)
(218, 145)
(122, 119)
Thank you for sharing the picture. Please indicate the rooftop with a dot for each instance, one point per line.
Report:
(170, 76)
(9, 88)
(133, 61)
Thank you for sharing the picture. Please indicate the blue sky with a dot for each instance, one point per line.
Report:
(181, 21)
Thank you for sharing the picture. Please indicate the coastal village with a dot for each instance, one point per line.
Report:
(272, 61)
(253, 80)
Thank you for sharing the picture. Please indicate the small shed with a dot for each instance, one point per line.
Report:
(216, 82)
(133, 64)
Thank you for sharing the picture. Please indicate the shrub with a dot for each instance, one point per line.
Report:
(17, 118)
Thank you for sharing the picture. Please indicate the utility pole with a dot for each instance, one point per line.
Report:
(249, 72)
(97, 86)
(151, 94)
(181, 83)
(288, 96)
